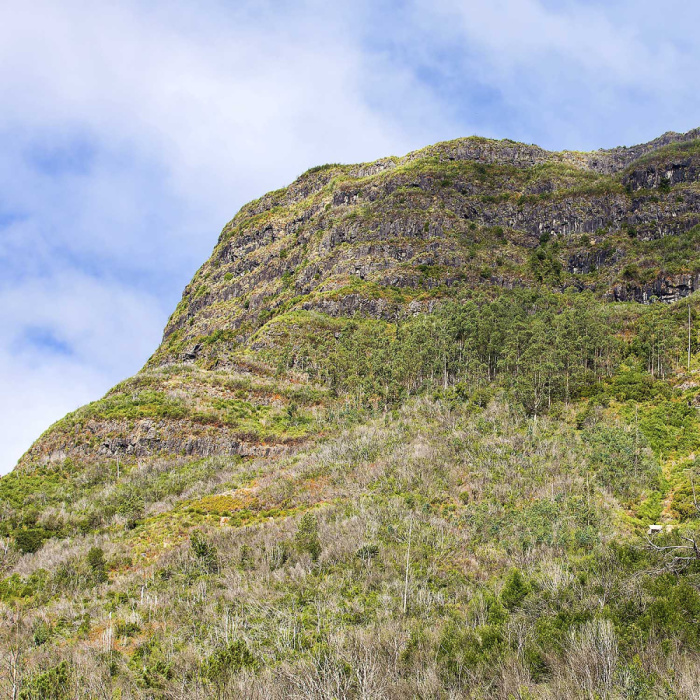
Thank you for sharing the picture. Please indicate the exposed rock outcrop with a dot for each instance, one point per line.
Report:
(389, 239)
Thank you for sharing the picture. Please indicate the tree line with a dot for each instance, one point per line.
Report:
(542, 347)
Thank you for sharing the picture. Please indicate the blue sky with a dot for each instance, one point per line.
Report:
(131, 132)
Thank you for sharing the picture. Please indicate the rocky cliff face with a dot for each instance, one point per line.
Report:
(340, 236)
(317, 488)
(383, 240)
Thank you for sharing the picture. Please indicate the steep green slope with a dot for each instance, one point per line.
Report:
(404, 437)
(384, 241)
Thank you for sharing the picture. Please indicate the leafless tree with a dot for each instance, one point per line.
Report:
(680, 556)
(12, 657)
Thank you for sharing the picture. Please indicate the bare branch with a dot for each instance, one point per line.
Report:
(669, 547)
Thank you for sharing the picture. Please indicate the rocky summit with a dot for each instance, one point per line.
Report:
(406, 435)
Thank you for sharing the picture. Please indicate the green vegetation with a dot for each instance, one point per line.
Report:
(670, 152)
(672, 254)
(145, 404)
(521, 442)
(205, 553)
(391, 446)
(533, 569)
(307, 539)
(321, 168)
(48, 685)
(543, 348)
(96, 562)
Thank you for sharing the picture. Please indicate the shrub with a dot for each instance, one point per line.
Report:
(127, 629)
(515, 590)
(205, 552)
(131, 507)
(671, 425)
(49, 685)
(231, 659)
(367, 552)
(636, 386)
(247, 557)
(83, 630)
(684, 500)
(132, 406)
(631, 271)
(307, 539)
(29, 541)
(544, 266)
(620, 460)
(96, 562)
(152, 669)
(321, 168)
(465, 649)
(41, 633)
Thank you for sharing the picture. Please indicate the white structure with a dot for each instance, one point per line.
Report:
(653, 529)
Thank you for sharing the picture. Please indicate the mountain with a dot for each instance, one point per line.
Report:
(405, 436)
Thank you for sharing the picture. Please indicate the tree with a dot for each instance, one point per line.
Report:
(205, 552)
(678, 556)
(307, 539)
(515, 590)
(97, 564)
(29, 541)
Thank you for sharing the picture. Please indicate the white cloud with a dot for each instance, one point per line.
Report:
(66, 339)
(129, 137)
(572, 74)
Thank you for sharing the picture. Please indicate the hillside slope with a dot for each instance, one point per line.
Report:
(403, 437)
(388, 239)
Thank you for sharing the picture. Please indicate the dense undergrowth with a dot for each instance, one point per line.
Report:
(394, 444)
(469, 519)
(525, 574)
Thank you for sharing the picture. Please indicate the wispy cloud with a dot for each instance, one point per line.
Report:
(131, 132)
(566, 73)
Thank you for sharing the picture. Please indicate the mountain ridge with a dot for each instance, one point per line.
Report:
(406, 435)
(328, 243)
(246, 237)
